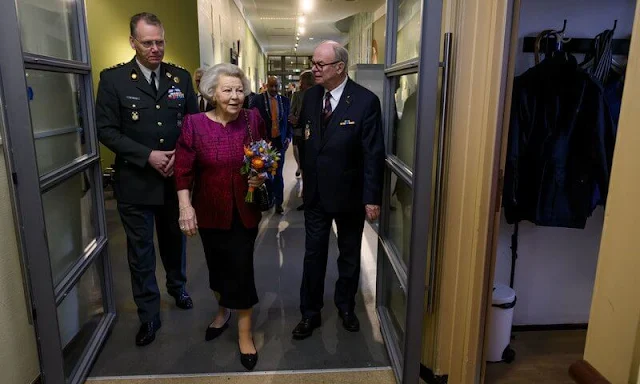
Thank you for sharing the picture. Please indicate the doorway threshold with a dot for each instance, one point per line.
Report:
(382, 375)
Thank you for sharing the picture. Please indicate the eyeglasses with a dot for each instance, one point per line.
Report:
(322, 65)
(149, 44)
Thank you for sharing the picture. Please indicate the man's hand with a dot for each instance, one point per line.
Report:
(161, 160)
(293, 119)
(373, 212)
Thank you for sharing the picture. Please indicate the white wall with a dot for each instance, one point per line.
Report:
(555, 271)
(220, 24)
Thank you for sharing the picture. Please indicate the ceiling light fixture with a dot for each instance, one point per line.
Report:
(301, 19)
(306, 5)
(301, 30)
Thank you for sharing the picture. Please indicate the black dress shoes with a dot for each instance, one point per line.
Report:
(248, 360)
(300, 207)
(213, 332)
(306, 326)
(183, 300)
(147, 332)
(350, 321)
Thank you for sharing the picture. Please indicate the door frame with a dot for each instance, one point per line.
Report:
(481, 49)
(28, 186)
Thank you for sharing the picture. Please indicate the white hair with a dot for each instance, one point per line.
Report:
(211, 77)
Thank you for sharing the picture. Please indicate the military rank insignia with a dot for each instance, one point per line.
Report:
(135, 116)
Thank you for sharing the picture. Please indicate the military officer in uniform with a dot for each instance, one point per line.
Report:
(139, 111)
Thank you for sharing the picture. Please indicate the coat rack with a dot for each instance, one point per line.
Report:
(574, 45)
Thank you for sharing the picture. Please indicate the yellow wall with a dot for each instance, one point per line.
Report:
(18, 353)
(108, 22)
(612, 340)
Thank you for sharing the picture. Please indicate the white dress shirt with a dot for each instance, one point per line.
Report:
(335, 94)
(146, 72)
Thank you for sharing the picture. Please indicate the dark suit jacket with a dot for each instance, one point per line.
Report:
(344, 166)
(132, 122)
(262, 103)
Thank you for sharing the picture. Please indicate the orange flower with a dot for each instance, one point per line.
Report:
(257, 163)
(247, 151)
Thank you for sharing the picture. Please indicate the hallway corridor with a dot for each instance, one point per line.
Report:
(180, 347)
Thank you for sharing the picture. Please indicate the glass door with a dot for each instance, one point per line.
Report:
(57, 181)
(413, 174)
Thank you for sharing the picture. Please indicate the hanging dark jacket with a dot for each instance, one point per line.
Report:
(560, 147)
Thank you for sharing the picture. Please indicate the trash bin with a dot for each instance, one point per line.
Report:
(501, 320)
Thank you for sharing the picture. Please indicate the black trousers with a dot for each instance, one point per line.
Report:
(229, 254)
(138, 222)
(317, 227)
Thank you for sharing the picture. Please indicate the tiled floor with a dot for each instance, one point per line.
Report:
(180, 347)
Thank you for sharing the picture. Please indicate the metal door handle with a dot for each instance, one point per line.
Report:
(439, 182)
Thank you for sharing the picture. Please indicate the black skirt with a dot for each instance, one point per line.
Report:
(229, 254)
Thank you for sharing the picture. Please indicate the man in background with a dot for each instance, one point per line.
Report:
(274, 109)
(203, 104)
(139, 111)
(306, 82)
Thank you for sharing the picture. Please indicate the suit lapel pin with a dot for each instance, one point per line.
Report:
(135, 116)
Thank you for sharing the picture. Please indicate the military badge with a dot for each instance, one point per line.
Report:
(135, 116)
(169, 75)
(134, 76)
(176, 79)
(307, 132)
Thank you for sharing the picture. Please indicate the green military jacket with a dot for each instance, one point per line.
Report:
(132, 122)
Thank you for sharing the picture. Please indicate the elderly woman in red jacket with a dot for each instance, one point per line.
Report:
(211, 193)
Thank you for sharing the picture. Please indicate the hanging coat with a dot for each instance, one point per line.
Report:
(560, 145)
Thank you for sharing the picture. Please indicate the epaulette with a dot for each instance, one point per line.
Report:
(114, 67)
(177, 66)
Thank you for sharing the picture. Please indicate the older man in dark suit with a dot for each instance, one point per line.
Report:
(139, 112)
(343, 173)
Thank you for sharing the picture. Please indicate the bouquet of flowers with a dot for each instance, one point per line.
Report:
(259, 158)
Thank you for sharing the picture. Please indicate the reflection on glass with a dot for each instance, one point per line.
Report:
(404, 132)
(79, 315)
(401, 209)
(55, 118)
(70, 222)
(409, 15)
(394, 300)
(49, 28)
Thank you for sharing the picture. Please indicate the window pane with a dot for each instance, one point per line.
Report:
(79, 315)
(49, 28)
(408, 40)
(400, 212)
(394, 299)
(70, 222)
(290, 63)
(404, 131)
(56, 118)
(275, 63)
